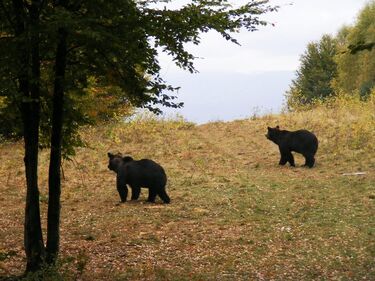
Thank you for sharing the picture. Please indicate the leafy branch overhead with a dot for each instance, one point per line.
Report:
(172, 28)
(137, 32)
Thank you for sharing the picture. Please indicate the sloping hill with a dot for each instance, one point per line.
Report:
(235, 213)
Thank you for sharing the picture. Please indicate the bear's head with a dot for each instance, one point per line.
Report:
(115, 161)
(273, 133)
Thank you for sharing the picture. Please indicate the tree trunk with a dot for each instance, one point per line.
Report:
(29, 87)
(33, 238)
(54, 180)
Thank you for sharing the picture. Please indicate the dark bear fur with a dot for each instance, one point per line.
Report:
(142, 173)
(301, 141)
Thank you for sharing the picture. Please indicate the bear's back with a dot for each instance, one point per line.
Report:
(144, 173)
(303, 141)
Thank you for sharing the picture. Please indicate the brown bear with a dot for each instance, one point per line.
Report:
(301, 141)
(142, 173)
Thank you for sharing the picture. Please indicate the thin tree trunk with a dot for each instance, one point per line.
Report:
(29, 87)
(33, 238)
(54, 180)
(33, 232)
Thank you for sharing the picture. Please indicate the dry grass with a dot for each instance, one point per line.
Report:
(235, 214)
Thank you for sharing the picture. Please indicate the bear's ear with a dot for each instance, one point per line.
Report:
(127, 159)
(110, 155)
(277, 127)
(269, 128)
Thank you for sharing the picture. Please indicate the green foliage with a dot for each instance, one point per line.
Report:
(356, 69)
(314, 77)
(103, 103)
(336, 66)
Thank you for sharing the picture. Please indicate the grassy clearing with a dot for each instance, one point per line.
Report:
(235, 214)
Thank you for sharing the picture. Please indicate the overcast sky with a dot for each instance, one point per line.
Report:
(237, 81)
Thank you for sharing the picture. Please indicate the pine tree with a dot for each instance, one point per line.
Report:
(314, 77)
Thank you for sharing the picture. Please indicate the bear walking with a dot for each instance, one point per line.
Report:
(301, 141)
(137, 174)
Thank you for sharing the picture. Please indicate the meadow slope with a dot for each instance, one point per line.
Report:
(235, 213)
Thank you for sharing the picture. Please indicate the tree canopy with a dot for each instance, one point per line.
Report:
(341, 64)
(356, 67)
(316, 72)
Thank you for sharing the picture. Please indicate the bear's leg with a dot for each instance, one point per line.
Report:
(135, 192)
(151, 195)
(309, 160)
(122, 190)
(283, 160)
(284, 156)
(164, 196)
(291, 159)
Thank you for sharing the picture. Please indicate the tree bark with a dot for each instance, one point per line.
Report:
(54, 180)
(30, 89)
(33, 238)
